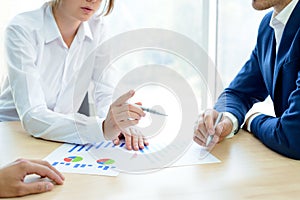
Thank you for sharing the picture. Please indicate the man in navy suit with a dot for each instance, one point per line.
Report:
(272, 70)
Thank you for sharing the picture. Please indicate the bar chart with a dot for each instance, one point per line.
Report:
(106, 158)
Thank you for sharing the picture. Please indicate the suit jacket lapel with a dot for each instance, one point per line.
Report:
(270, 61)
(286, 41)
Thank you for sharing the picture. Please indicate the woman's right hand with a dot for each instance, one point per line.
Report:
(121, 115)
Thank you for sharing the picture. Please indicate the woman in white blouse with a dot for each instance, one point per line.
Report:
(46, 54)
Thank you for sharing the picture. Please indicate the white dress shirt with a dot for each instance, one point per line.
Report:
(279, 21)
(47, 81)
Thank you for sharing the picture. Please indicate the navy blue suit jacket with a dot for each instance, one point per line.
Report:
(278, 76)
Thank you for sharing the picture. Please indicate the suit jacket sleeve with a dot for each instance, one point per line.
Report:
(247, 88)
(282, 133)
(255, 82)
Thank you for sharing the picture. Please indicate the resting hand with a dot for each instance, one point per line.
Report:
(121, 115)
(205, 127)
(133, 139)
(12, 178)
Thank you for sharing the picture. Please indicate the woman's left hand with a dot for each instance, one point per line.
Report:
(134, 140)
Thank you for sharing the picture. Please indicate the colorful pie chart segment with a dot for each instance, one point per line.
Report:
(73, 159)
(105, 161)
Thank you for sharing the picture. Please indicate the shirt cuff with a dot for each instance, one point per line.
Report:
(250, 121)
(235, 124)
(93, 132)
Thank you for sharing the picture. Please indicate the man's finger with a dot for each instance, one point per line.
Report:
(209, 121)
(47, 164)
(201, 131)
(44, 171)
(198, 134)
(198, 141)
(35, 188)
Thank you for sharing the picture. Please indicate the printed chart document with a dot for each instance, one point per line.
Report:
(74, 158)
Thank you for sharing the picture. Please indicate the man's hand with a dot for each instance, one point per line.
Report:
(205, 127)
(12, 178)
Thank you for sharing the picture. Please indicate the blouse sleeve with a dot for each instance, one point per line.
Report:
(25, 82)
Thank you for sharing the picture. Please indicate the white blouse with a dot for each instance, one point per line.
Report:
(47, 81)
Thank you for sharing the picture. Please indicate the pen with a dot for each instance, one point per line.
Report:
(149, 110)
(210, 137)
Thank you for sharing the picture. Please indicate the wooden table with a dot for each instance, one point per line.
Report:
(248, 170)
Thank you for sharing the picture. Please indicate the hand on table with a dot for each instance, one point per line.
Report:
(12, 178)
(134, 140)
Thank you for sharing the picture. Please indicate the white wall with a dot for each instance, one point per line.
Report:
(237, 31)
(172, 15)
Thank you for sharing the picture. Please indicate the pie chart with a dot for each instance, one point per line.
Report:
(73, 159)
(105, 161)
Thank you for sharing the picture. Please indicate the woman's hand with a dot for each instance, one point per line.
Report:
(134, 140)
(121, 115)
